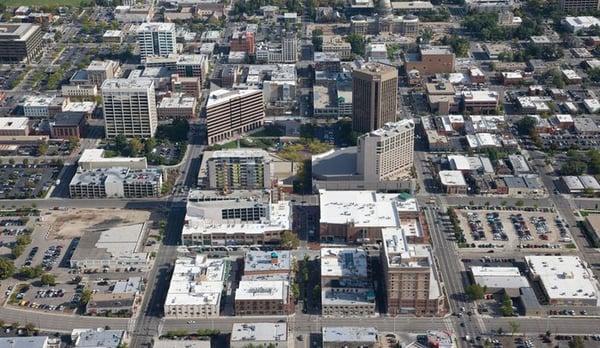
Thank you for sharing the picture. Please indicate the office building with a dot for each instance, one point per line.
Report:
(239, 169)
(197, 284)
(267, 265)
(374, 96)
(118, 247)
(289, 48)
(243, 41)
(453, 181)
(244, 335)
(411, 284)
(386, 153)
(122, 298)
(99, 70)
(578, 6)
(39, 106)
(231, 113)
(263, 297)
(242, 217)
(176, 106)
(192, 65)
(430, 60)
(156, 39)
(129, 107)
(19, 42)
(188, 86)
(14, 126)
(68, 125)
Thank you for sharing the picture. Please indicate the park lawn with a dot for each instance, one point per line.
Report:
(16, 3)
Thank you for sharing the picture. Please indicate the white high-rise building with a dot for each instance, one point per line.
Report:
(129, 107)
(156, 39)
(289, 48)
(387, 153)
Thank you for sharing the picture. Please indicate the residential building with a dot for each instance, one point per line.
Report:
(411, 284)
(386, 153)
(156, 39)
(14, 126)
(374, 96)
(238, 169)
(113, 36)
(231, 113)
(177, 106)
(350, 337)
(260, 335)
(114, 248)
(241, 217)
(67, 125)
(263, 297)
(196, 287)
(19, 42)
(129, 107)
(430, 60)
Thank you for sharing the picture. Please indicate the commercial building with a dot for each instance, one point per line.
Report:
(37, 106)
(576, 24)
(260, 335)
(192, 65)
(267, 265)
(592, 226)
(196, 287)
(374, 96)
(263, 297)
(242, 217)
(115, 248)
(337, 45)
(100, 70)
(19, 42)
(238, 169)
(411, 283)
(79, 91)
(453, 181)
(404, 25)
(243, 41)
(565, 280)
(129, 107)
(498, 278)
(289, 48)
(94, 159)
(156, 39)
(188, 86)
(177, 106)
(14, 126)
(116, 183)
(430, 60)
(360, 216)
(345, 286)
(578, 6)
(67, 125)
(231, 113)
(28, 342)
(122, 300)
(386, 153)
(350, 337)
(88, 338)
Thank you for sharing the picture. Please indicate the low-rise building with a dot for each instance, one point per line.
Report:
(263, 297)
(196, 287)
(430, 60)
(14, 126)
(350, 337)
(177, 106)
(87, 338)
(116, 183)
(115, 248)
(68, 125)
(260, 335)
(453, 181)
(94, 159)
(498, 278)
(348, 302)
(122, 300)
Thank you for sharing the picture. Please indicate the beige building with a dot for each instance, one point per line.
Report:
(336, 44)
(410, 277)
(237, 169)
(177, 106)
(14, 126)
(374, 96)
(430, 60)
(244, 335)
(386, 153)
(129, 108)
(268, 297)
(100, 70)
(233, 112)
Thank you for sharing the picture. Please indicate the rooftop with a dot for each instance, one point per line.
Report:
(223, 95)
(452, 178)
(156, 26)
(177, 101)
(196, 280)
(97, 338)
(267, 261)
(131, 84)
(347, 296)
(343, 262)
(123, 242)
(257, 290)
(24, 342)
(350, 334)
(17, 31)
(14, 123)
(259, 332)
(499, 277)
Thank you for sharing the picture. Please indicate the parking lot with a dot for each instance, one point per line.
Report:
(10, 229)
(27, 181)
(512, 229)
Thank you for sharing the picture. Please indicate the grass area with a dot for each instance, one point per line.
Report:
(585, 213)
(17, 3)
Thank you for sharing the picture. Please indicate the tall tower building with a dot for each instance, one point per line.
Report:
(129, 107)
(289, 48)
(156, 39)
(374, 93)
(386, 153)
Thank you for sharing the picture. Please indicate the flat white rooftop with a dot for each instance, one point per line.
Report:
(349, 334)
(255, 290)
(267, 261)
(499, 277)
(344, 262)
(259, 332)
(452, 178)
(564, 277)
(196, 281)
(13, 123)
(156, 26)
(223, 95)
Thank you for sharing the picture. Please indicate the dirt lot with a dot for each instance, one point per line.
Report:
(499, 227)
(71, 223)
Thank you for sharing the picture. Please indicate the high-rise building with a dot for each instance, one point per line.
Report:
(579, 5)
(239, 169)
(156, 39)
(386, 153)
(19, 42)
(374, 93)
(289, 48)
(233, 112)
(129, 107)
(411, 285)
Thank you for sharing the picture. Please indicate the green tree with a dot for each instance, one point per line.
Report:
(73, 143)
(289, 240)
(135, 147)
(295, 289)
(317, 40)
(426, 35)
(31, 272)
(7, 268)
(149, 145)
(120, 143)
(514, 327)
(357, 42)
(48, 279)
(30, 328)
(460, 45)
(577, 342)
(475, 291)
(86, 296)
(316, 292)
(17, 250)
(573, 167)
(526, 125)
(42, 149)
(506, 307)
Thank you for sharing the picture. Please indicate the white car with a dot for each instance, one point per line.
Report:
(191, 322)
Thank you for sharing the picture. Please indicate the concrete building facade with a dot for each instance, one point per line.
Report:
(374, 96)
